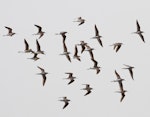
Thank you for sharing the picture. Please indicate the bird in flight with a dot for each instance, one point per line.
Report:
(122, 91)
(139, 32)
(70, 77)
(117, 46)
(76, 56)
(66, 53)
(95, 67)
(80, 20)
(35, 56)
(97, 36)
(27, 49)
(87, 88)
(90, 50)
(82, 44)
(39, 51)
(43, 73)
(10, 33)
(66, 101)
(63, 34)
(130, 68)
(40, 32)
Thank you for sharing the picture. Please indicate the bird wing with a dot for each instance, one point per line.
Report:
(70, 74)
(39, 28)
(83, 48)
(118, 47)
(100, 41)
(91, 54)
(122, 96)
(41, 34)
(131, 73)
(68, 57)
(64, 37)
(71, 81)
(44, 79)
(118, 76)
(81, 23)
(66, 104)
(88, 92)
(76, 51)
(97, 70)
(95, 62)
(142, 37)
(96, 31)
(9, 29)
(41, 69)
(26, 45)
(65, 47)
(38, 46)
(138, 26)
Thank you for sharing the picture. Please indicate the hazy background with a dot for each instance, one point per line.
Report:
(22, 93)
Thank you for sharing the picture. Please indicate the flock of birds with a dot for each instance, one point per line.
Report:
(84, 47)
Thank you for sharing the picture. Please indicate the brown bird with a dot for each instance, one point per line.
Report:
(90, 50)
(66, 101)
(39, 51)
(63, 34)
(82, 44)
(97, 36)
(35, 57)
(66, 53)
(95, 67)
(70, 77)
(27, 49)
(87, 88)
(10, 33)
(76, 56)
(40, 32)
(139, 32)
(130, 68)
(80, 20)
(122, 91)
(43, 73)
(117, 46)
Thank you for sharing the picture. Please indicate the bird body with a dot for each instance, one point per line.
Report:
(87, 88)
(40, 32)
(43, 73)
(10, 33)
(139, 32)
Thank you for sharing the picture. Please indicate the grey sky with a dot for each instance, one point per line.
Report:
(22, 93)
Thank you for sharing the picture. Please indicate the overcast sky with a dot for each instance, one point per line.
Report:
(22, 93)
